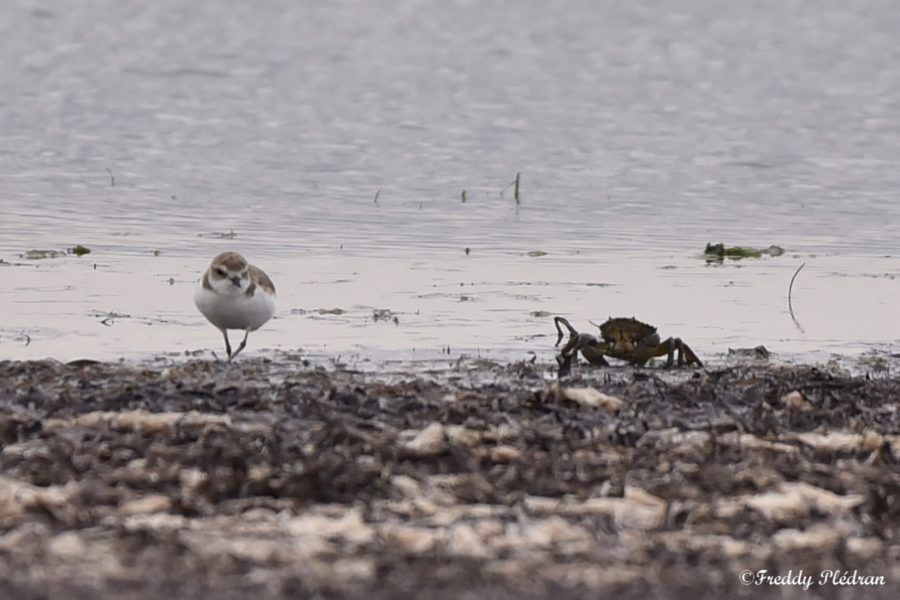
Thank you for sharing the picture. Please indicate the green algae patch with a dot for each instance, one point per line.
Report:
(719, 252)
(77, 250)
(42, 254)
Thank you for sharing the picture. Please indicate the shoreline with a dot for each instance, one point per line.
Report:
(276, 480)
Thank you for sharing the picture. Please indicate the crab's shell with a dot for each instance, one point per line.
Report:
(624, 334)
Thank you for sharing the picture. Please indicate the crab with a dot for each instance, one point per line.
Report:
(623, 338)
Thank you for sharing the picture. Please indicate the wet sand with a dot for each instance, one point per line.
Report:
(281, 479)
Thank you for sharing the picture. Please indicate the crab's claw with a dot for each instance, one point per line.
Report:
(559, 331)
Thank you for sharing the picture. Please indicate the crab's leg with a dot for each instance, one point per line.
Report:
(670, 347)
(594, 353)
(689, 357)
(565, 364)
(591, 350)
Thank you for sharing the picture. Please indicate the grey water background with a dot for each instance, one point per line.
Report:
(335, 139)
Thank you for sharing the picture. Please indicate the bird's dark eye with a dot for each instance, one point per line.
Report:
(220, 272)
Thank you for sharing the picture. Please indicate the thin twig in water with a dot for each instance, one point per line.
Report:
(790, 304)
(513, 184)
(112, 178)
(378, 193)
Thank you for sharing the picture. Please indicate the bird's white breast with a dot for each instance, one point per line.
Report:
(228, 310)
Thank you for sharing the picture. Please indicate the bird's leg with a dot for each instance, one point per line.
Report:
(227, 344)
(243, 344)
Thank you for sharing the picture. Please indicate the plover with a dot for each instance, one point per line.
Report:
(233, 294)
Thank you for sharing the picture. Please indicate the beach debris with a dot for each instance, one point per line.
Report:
(795, 400)
(385, 314)
(151, 503)
(222, 235)
(318, 311)
(587, 396)
(636, 509)
(795, 500)
(836, 441)
(756, 353)
(110, 317)
(163, 475)
(18, 497)
(430, 441)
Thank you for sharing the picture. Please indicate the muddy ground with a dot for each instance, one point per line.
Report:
(282, 480)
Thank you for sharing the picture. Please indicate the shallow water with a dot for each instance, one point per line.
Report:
(495, 305)
(335, 140)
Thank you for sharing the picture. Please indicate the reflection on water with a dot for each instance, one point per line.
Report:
(336, 139)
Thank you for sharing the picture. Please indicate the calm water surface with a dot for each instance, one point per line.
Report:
(641, 130)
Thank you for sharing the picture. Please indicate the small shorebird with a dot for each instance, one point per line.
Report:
(233, 294)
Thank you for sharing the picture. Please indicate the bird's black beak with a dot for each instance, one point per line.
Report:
(236, 281)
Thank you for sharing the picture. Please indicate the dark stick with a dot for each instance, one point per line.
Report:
(515, 184)
(790, 304)
(112, 178)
